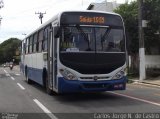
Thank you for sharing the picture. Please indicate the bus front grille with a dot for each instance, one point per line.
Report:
(91, 78)
(96, 86)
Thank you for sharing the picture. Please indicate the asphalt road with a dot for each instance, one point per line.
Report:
(21, 100)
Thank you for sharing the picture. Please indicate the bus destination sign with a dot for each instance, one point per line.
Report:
(90, 19)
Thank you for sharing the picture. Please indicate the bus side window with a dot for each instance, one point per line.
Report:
(24, 48)
(40, 38)
(26, 43)
(27, 40)
(35, 43)
(31, 44)
(46, 36)
(44, 42)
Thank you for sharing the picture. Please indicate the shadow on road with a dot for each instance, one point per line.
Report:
(75, 97)
(94, 99)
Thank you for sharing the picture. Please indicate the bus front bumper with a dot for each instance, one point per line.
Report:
(67, 86)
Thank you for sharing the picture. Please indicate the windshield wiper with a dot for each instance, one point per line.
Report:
(105, 34)
(85, 36)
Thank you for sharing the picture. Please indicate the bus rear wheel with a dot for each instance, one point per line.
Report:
(26, 74)
(28, 80)
(48, 90)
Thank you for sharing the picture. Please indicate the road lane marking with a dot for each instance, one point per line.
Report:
(17, 74)
(20, 86)
(7, 74)
(12, 78)
(5, 71)
(48, 112)
(139, 99)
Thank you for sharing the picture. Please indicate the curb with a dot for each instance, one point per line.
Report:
(146, 84)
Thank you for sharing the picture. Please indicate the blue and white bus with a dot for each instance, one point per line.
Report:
(77, 51)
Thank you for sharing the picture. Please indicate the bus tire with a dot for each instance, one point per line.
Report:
(26, 74)
(28, 80)
(55, 93)
(48, 90)
(44, 78)
(46, 83)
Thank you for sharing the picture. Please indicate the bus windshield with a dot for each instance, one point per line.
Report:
(92, 39)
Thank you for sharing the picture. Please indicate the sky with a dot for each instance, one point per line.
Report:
(19, 18)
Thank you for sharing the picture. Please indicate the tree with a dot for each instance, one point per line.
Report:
(129, 13)
(8, 49)
(151, 13)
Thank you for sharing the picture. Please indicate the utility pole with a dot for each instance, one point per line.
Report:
(40, 15)
(142, 70)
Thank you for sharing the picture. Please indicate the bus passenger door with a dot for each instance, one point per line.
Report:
(52, 65)
(50, 60)
(54, 62)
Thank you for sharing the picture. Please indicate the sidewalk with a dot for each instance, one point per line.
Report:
(148, 82)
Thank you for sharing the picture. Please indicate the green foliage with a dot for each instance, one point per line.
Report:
(129, 13)
(8, 49)
(151, 13)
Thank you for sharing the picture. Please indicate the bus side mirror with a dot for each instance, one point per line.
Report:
(56, 32)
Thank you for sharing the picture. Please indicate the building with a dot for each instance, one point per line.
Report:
(104, 6)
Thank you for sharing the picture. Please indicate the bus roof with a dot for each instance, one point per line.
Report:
(57, 16)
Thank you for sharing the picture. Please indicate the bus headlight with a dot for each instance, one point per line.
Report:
(67, 74)
(120, 74)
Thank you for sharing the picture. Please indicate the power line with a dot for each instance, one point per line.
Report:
(40, 15)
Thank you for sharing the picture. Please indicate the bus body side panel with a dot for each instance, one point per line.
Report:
(66, 86)
(35, 65)
(35, 75)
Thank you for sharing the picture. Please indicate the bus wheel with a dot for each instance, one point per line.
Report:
(28, 80)
(48, 90)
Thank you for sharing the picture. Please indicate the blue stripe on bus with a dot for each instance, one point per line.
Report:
(35, 75)
(66, 86)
